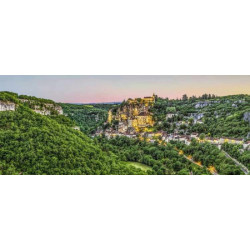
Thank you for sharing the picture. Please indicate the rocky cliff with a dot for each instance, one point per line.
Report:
(43, 108)
(7, 106)
(40, 108)
(133, 115)
(247, 117)
(49, 109)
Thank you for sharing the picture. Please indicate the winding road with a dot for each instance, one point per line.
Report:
(191, 160)
(243, 167)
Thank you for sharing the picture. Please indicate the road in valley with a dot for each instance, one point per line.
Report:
(191, 160)
(243, 168)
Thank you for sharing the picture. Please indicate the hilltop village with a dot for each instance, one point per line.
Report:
(133, 116)
(139, 118)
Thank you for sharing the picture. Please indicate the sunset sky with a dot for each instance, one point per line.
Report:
(88, 89)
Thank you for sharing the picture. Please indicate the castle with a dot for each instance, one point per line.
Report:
(134, 115)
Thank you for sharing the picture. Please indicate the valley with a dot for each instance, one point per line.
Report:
(206, 135)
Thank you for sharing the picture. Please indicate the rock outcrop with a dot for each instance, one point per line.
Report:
(7, 106)
(246, 117)
(201, 104)
(44, 108)
(49, 109)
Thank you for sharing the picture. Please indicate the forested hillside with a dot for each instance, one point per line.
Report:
(8, 97)
(31, 143)
(164, 159)
(208, 114)
(237, 152)
(209, 156)
(87, 117)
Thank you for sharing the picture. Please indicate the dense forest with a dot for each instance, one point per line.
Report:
(87, 117)
(209, 155)
(237, 152)
(164, 159)
(34, 144)
(8, 97)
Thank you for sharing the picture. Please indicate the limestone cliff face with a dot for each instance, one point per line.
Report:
(44, 108)
(134, 115)
(7, 106)
(49, 109)
(247, 117)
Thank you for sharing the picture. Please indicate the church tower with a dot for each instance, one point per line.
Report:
(155, 97)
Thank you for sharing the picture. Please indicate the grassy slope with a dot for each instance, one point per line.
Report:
(138, 165)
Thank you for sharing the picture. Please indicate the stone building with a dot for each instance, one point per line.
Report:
(134, 115)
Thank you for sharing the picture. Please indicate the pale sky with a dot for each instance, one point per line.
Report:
(88, 89)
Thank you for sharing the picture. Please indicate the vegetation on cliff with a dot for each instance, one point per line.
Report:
(34, 144)
(87, 117)
(6, 96)
(35, 99)
(220, 116)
